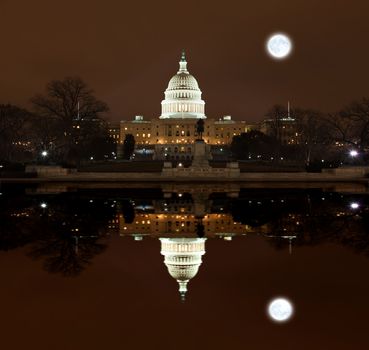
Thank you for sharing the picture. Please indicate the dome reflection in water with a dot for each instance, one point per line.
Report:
(183, 257)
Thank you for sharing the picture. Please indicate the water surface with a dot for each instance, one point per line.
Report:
(85, 268)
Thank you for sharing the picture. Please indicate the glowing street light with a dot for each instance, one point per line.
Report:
(43, 205)
(44, 153)
(354, 153)
(354, 205)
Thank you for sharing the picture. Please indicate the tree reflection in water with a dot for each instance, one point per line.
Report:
(311, 219)
(66, 235)
(18, 220)
(66, 254)
(73, 228)
(73, 233)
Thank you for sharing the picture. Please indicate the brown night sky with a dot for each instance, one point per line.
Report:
(127, 51)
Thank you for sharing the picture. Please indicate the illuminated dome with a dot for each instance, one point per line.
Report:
(183, 257)
(182, 81)
(183, 95)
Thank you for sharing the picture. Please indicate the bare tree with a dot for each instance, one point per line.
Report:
(12, 129)
(350, 126)
(312, 131)
(73, 105)
(358, 114)
(275, 115)
(275, 129)
(341, 129)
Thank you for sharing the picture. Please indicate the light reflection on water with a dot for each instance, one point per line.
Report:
(282, 239)
(84, 220)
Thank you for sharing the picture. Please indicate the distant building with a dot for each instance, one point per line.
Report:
(114, 132)
(80, 125)
(283, 129)
(173, 134)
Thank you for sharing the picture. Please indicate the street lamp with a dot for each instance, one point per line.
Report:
(354, 153)
(44, 153)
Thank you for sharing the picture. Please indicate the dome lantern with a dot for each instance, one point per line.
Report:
(183, 63)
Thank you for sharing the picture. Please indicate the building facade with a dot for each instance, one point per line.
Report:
(173, 134)
(285, 130)
(114, 132)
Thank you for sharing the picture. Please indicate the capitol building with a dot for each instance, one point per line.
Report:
(172, 135)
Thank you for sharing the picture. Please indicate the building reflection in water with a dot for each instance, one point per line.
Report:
(182, 211)
(183, 257)
(67, 237)
(72, 228)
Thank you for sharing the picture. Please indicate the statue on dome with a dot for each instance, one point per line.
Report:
(200, 128)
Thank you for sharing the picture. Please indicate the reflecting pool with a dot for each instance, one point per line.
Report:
(179, 267)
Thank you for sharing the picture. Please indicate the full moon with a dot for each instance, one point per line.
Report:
(280, 309)
(279, 46)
